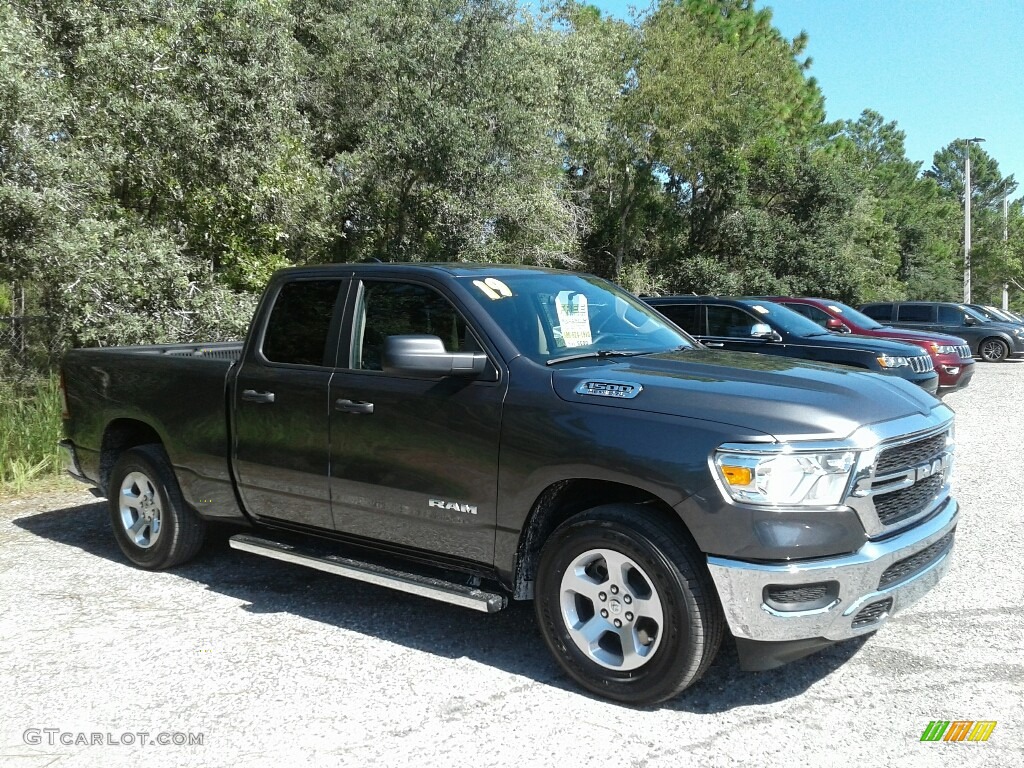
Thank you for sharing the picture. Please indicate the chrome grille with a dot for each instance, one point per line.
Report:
(910, 454)
(964, 351)
(921, 364)
(911, 566)
(907, 502)
(798, 594)
(903, 483)
(873, 613)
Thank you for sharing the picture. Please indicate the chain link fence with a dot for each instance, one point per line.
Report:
(29, 348)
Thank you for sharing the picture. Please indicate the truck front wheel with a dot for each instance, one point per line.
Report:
(626, 605)
(153, 525)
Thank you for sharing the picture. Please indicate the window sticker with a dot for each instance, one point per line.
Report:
(493, 288)
(574, 318)
(759, 308)
(498, 286)
(487, 291)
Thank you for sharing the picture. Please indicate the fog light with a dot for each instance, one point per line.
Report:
(952, 370)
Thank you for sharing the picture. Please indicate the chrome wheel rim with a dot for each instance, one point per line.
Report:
(611, 609)
(992, 350)
(141, 510)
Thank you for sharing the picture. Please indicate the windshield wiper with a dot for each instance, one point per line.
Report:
(601, 353)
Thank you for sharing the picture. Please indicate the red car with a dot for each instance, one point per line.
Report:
(950, 354)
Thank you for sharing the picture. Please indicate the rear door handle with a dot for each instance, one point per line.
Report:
(252, 396)
(714, 343)
(353, 406)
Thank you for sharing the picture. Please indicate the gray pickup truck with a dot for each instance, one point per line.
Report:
(477, 434)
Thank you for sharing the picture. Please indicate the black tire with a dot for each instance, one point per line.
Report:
(659, 560)
(153, 525)
(993, 350)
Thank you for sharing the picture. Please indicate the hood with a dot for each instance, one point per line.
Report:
(918, 337)
(855, 341)
(788, 399)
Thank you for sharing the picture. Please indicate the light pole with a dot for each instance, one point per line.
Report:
(1006, 240)
(967, 218)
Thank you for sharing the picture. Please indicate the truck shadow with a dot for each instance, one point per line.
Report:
(508, 640)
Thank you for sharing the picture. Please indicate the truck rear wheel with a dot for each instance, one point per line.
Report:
(626, 605)
(153, 525)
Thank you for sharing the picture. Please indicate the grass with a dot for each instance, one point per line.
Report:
(30, 427)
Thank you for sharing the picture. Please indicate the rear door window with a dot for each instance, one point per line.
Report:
(300, 323)
(916, 313)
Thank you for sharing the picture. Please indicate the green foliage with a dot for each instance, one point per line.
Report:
(993, 262)
(135, 286)
(158, 161)
(442, 143)
(30, 428)
(911, 217)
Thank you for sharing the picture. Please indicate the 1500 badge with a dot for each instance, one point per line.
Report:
(618, 389)
(469, 509)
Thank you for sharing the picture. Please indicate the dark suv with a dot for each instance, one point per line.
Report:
(951, 355)
(755, 325)
(997, 315)
(991, 341)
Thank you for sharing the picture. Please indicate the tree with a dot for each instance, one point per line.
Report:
(706, 88)
(921, 221)
(439, 120)
(98, 271)
(992, 263)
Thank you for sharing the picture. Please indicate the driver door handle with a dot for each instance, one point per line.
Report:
(714, 344)
(353, 406)
(252, 396)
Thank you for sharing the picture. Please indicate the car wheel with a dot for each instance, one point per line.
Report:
(626, 605)
(994, 350)
(153, 525)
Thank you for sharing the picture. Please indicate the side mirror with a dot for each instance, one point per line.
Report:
(426, 356)
(970, 320)
(837, 325)
(763, 331)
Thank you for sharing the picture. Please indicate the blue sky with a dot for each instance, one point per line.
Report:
(942, 69)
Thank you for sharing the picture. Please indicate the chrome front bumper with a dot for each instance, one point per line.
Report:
(741, 586)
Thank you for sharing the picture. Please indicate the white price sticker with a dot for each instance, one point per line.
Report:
(574, 319)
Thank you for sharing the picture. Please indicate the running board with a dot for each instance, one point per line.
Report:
(413, 583)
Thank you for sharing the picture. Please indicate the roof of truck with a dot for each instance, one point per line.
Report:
(456, 269)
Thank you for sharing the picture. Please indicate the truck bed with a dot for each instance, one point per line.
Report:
(177, 392)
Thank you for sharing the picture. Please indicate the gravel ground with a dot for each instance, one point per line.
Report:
(272, 664)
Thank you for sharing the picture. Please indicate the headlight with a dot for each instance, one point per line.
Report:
(1018, 331)
(786, 479)
(888, 361)
(944, 349)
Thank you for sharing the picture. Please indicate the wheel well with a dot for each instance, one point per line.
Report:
(562, 500)
(120, 435)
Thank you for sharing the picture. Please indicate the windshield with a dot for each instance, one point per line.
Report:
(981, 317)
(784, 318)
(1001, 314)
(855, 316)
(551, 315)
